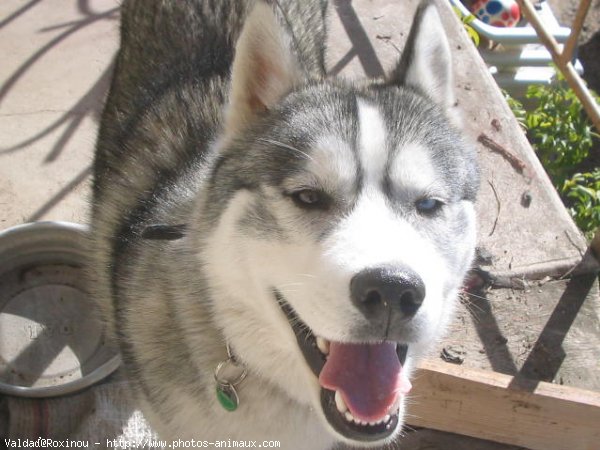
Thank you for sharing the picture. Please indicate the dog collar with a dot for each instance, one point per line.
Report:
(164, 232)
(226, 393)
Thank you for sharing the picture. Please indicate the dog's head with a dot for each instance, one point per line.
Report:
(344, 224)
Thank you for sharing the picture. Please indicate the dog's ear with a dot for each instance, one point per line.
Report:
(264, 68)
(426, 62)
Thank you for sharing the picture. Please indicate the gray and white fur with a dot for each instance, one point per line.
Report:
(290, 187)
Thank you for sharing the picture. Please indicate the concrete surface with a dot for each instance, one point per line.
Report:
(55, 71)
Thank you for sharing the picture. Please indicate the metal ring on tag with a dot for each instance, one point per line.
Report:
(222, 364)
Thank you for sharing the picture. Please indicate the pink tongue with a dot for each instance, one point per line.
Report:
(368, 376)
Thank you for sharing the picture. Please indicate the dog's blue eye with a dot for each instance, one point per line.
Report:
(310, 198)
(428, 205)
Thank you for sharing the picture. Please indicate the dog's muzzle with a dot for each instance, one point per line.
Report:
(362, 384)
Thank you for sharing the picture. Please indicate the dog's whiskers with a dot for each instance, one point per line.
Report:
(293, 283)
(304, 155)
(287, 291)
(474, 309)
(471, 294)
(407, 428)
(308, 275)
(287, 288)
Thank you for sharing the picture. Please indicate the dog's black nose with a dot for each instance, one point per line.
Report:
(380, 292)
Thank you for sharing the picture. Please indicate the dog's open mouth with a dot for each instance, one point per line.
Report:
(361, 384)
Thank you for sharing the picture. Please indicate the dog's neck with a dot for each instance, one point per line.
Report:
(229, 373)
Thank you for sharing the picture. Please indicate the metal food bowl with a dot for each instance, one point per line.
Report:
(51, 342)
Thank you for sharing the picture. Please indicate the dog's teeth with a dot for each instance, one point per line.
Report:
(339, 402)
(350, 418)
(386, 419)
(323, 345)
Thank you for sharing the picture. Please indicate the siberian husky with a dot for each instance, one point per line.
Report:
(273, 248)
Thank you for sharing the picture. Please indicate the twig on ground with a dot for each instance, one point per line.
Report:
(514, 161)
(498, 206)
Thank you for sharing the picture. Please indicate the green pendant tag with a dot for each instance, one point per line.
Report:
(227, 397)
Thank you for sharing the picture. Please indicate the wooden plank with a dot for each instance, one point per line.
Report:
(485, 405)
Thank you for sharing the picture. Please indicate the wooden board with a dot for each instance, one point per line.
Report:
(488, 405)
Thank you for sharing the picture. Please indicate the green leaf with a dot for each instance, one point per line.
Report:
(562, 137)
(473, 35)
